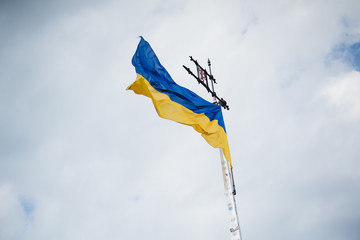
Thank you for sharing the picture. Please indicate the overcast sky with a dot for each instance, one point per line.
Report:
(81, 158)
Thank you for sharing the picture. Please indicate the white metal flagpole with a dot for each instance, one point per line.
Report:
(235, 232)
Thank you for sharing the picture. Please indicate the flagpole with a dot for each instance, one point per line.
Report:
(229, 185)
(235, 231)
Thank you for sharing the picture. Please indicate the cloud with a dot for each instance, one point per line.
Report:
(342, 94)
(12, 215)
(83, 158)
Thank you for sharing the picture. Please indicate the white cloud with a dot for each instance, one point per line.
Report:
(343, 94)
(12, 215)
(97, 162)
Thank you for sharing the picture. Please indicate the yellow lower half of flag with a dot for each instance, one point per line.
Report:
(213, 133)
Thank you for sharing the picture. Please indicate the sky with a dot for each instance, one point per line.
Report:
(82, 158)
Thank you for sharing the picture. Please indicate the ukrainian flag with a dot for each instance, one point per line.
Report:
(177, 103)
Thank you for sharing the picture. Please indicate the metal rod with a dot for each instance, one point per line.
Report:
(211, 76)
(220, 101)
(198, 79)
(233, 182)
(198, 65)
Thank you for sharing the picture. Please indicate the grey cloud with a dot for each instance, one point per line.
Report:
(87, 159)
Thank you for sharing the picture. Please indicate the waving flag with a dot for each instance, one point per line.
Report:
(177, 103)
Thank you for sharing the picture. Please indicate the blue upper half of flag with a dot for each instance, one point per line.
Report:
(148, 65)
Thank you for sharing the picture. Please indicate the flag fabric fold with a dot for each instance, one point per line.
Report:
(175, 102)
